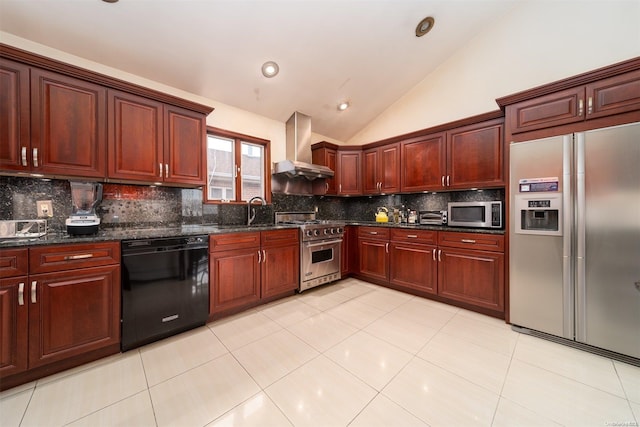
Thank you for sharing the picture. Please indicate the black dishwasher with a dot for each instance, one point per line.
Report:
(165, 288)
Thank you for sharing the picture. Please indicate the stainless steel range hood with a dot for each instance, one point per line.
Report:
(298, 151)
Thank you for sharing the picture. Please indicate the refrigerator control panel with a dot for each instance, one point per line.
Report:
(538, 214)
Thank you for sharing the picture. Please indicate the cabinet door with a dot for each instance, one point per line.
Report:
(370, 172)
(473, 277)
(374, 259)
(235, 279)
(327, 157)
(13, 319)
(344, 252)
(68, 125)
(424, 163)
(14, 262)
(280, 270)
(413, 266)
(73, 312)
(184, 146)
(555, 109)
(389, 168)
(15, 144)
(135, 138)
(614, 95)
(349, 173)
(475, 156)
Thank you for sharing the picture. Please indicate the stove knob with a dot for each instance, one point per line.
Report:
(340, 230)
(316, 232)
(308, 233)
(325, 231)
(333, 231)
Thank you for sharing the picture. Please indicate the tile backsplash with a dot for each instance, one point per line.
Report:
(140, 206)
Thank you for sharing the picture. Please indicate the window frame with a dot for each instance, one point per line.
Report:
(238, 139)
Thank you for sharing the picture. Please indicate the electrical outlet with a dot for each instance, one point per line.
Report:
(45, 208)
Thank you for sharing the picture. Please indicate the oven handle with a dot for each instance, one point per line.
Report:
(322, 243)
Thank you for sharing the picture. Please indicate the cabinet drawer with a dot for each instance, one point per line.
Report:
(47, 259)
(414, 236)
(377, 233)
(14, 262)
(280, 237)
(485, 242)
(230, 241)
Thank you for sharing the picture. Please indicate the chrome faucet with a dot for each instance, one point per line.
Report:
(251, 212)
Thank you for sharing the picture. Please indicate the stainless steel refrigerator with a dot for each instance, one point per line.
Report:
(574, 234)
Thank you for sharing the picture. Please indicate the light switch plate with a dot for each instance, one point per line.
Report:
(45, 208)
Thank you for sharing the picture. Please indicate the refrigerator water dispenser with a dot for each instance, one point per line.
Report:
(539, 214)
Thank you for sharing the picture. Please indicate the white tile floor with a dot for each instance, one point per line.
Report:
(347, 354)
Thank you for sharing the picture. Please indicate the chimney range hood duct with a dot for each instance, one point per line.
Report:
(298, 151)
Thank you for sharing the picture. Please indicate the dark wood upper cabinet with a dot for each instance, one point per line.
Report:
(327, 156)
(349, 173)
(424, 163)
(135, 137)
(15, 141)
(68, 125)
(475, 156)
(606, 92)
(381, 169)
(184, 146)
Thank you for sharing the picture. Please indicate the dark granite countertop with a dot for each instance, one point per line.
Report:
(137, 233)
(428, 227)
(53, 238)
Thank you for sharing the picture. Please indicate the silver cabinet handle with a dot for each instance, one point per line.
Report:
(373, 232)
(166, 170)
(35, 157)
(467, 241)
(259, 256)
(21, 293)
(24, 156)
(160, 165)
(443, 180)
(412, 236)
(448, 180)
(386, 247)
(34, 298)
(327, 186)
(580, 107)
(264, 257)
(590, 105)
(80, 256)
(439, 255)
(434, 254)
(339, 188)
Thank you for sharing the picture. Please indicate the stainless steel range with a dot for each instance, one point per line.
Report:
(320, 247)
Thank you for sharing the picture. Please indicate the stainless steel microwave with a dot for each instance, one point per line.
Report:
(475, 214)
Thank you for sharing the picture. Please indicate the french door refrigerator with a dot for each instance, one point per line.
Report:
(575, 237)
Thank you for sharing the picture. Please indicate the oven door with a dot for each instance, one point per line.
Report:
(320, 262)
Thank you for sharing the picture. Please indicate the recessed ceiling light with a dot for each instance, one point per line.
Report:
(270, 69)
(425, 26)
(110, 1)
(343, 106)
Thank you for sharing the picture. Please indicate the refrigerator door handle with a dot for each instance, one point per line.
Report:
(568, 312)
(581, 317)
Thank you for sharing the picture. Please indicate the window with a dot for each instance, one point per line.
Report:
(237, 167)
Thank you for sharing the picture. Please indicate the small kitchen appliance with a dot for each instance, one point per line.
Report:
(432, 217)
(85, 196)
(475, 214)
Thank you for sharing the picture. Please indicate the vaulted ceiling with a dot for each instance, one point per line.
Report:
(362, 51)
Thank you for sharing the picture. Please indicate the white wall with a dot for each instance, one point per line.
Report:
(224, 116)
(537, 43)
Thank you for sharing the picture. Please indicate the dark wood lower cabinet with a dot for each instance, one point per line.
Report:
(60, 311)
(472, 277)
(465, 269)
(235, 279)
(246, 269)
(413, 266)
